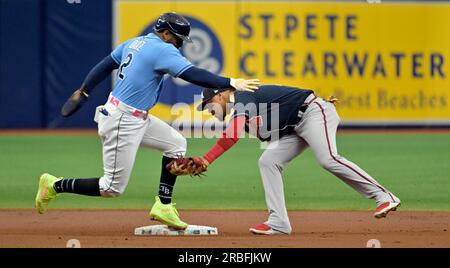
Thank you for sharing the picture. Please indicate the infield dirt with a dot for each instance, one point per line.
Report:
(114, 228)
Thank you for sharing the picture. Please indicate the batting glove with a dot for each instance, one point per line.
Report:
(240, 84)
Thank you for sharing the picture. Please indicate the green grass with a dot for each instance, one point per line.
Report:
(415, 167)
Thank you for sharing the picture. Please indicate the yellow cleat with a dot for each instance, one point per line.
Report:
(167, 214)
(46, 192)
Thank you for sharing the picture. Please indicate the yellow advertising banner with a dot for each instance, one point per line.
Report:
(387, 63)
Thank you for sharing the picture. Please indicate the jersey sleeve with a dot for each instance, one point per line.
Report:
(117, 53)
(229, 138)
(172, 62)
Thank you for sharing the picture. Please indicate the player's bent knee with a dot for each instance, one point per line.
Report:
(182, 143)
(267, 162)
(179, 147)
(263, 161)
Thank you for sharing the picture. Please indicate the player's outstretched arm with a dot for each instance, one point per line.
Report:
(229, 138)
(94, 77)
(196, 166)
(204, 78)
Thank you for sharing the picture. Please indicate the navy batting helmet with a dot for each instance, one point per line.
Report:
(176, 24)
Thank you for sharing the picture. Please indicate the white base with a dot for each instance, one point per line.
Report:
(165, 231)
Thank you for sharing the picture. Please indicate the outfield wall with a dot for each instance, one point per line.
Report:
(46, 49)
(387, 63)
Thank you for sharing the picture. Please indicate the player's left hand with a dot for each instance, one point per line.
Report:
(249, 85)
(74, 103)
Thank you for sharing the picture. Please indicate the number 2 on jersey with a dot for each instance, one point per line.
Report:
(124, 65)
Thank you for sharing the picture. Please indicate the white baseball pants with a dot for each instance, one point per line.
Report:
(122, 133)
(317, 130)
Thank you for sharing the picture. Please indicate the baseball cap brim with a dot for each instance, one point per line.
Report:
(207, 95)
(202, 105)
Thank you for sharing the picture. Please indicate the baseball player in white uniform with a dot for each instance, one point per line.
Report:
(124, 123)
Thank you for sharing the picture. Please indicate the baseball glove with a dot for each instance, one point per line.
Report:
(193, 166)
(74, 103)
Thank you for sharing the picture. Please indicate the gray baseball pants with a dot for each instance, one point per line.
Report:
(316, 130)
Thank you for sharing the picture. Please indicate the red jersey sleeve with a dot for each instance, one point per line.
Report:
(229, 137)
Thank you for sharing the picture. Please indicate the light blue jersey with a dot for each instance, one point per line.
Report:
(143, 62)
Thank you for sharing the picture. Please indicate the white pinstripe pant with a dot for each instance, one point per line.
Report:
(121, 135)
(316, 130)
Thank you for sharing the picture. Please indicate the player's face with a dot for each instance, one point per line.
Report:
(178, 42)
(169, 37)
(217, 106)
(175, 40)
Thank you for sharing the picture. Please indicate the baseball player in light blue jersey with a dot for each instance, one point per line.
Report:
(123, 122)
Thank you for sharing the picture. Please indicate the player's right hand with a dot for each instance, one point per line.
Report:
(249, 85)
(74, 103)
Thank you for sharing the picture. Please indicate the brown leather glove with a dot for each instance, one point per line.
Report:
(74, 103)
(193, 166)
